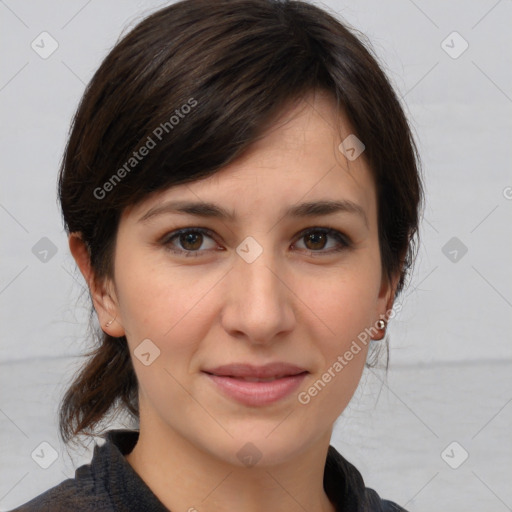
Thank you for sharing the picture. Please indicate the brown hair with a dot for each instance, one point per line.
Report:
(201, 80)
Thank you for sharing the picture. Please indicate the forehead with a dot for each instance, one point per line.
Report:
(296, 159)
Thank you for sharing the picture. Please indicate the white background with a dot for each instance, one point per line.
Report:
(451, 347)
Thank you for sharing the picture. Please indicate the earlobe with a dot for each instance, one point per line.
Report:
(104, 301)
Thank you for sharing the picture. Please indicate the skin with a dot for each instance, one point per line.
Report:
(288, 305)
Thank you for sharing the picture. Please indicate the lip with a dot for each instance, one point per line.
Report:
(231, 381)
(244, 370)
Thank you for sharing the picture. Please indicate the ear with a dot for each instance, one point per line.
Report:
(101, 290)
(386, 297)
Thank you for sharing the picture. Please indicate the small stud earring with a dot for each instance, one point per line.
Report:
(109, 323)
(381, 324)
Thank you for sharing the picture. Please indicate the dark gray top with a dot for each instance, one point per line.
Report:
(109, 484)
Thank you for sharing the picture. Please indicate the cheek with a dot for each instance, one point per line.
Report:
(162, 302)
(343, 301)
(345, 311)
(343, 307)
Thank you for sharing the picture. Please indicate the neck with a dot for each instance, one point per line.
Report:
(184, 477)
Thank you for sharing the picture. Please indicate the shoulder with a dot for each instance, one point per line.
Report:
(346, 488)
(85, 492)
(377, 504)
(68, 495)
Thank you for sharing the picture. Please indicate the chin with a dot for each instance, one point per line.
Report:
(258, 447)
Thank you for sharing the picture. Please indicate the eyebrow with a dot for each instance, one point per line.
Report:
(211, 210)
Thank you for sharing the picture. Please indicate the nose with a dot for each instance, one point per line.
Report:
(258, 302)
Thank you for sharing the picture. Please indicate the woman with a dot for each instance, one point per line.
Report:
(242, 195)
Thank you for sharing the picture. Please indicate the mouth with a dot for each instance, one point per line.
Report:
(250, 372)
(256, 385)
(255, 379)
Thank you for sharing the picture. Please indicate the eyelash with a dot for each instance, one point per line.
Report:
(334, 233)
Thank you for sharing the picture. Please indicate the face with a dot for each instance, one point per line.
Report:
(262, 287)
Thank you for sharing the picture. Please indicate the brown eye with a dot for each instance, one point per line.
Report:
(188, 242)
(317, 239)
